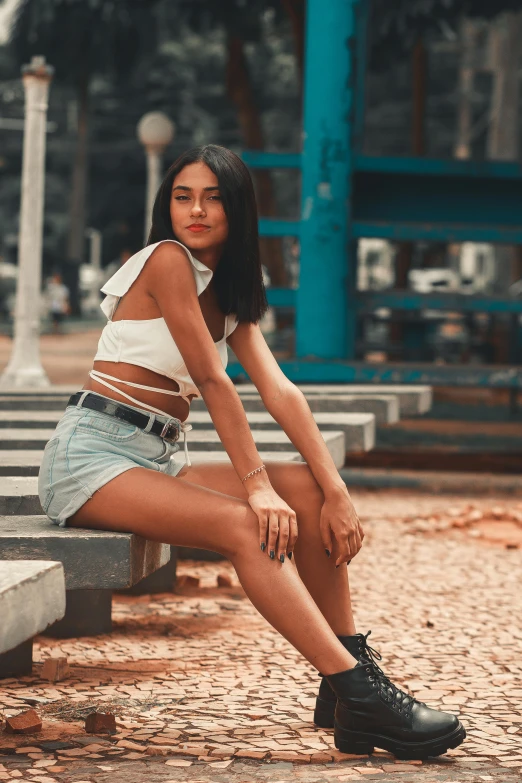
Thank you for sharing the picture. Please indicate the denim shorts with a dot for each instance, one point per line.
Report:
(87, 449)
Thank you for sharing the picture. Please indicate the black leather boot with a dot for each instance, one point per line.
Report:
(372, 711)
(357, 645)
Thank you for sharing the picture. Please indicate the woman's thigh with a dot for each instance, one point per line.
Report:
(205, 505)
(293, 481)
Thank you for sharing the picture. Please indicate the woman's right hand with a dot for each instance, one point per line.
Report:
(277, 522)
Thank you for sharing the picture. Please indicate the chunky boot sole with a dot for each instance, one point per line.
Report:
(324, 713)
(348, 741)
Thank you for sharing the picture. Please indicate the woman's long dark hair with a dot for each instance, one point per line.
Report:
(238, 278)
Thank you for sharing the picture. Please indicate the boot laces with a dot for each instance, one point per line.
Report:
(387, 690)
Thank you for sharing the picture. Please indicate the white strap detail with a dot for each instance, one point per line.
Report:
(184, 426)
(96, 373)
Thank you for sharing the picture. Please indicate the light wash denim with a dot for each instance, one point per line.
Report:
(87, 449)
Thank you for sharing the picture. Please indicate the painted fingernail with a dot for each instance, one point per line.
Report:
(290, 555)
(327, 552)
(272, 554)
(263, 546)
(282, 557)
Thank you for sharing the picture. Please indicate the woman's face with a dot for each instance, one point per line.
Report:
(196, 210)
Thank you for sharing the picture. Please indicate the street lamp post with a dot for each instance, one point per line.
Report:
(92, 301)
(155, 131)
(24, 367)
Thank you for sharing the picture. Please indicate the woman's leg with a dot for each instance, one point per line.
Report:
(175, 511)
(295, 483)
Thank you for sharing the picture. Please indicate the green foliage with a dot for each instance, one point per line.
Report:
(395, 26)
(84, 36)
(183, 74)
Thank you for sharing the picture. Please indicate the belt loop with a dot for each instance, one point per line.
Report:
(83, 396)
(152, 419)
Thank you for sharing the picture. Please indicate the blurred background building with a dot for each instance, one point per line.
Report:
(441, 82)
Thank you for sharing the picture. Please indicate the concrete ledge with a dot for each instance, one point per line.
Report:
(441, 482)
(27, 463)
(32, 597)
(414, 400)
(385, 408)
(92, 559)
(198, 439)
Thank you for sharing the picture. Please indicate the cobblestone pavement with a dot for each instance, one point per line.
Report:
(204, 690)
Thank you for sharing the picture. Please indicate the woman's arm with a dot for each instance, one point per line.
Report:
(293, 414)
(170, 281)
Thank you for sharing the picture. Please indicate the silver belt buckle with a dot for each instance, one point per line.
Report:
(170, 432)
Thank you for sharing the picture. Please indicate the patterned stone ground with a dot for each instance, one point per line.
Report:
(204, 690)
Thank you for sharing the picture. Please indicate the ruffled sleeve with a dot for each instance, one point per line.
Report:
(120, 282)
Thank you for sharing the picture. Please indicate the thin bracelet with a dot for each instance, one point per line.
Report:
(254, 471)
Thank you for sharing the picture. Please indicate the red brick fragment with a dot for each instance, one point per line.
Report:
(250, 754)
(100, 723)
(321, 757)
(55, 669)
(27, 722)
(224, 580)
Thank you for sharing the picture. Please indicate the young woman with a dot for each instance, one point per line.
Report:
(172, 308)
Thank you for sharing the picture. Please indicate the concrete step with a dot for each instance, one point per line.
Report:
(434, 481)
(361, 438)
(349, 423)
(385, 408)
(32, 596)
(95, 562)
(92, 559)
(33, 402)
(27, 463)
(19, 493)
(414, 400)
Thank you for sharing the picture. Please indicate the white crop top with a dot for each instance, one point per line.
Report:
(148, 342)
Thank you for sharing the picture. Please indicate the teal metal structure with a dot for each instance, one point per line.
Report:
(347, 196)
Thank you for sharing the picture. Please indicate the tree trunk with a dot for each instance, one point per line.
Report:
(404, 250)
(295, 11)
(76, 238)
(418, 141)
(240, 91)
(466, 79)
(503, 144)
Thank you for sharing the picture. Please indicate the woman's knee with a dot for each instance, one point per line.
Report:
(301, 490)
(242, 536)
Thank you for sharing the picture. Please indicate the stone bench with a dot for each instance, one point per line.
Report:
(413, 400)
(384, 407)
(19, 494)
(32, 597)
(95, 563)
(27, 462)
(201, 440)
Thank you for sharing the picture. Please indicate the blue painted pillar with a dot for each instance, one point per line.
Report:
(325, 316)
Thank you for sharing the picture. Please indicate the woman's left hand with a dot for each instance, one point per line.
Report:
(340, 524)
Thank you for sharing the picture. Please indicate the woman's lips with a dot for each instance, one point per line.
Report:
(198, 229)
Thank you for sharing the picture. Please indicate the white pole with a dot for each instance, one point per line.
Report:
(155, 131)
(95, 236)
(24, 367)
(91, 303)
(153, 182)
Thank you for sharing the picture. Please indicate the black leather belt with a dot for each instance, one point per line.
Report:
(169, 431)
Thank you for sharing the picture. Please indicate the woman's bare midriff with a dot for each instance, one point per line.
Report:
(174, 406)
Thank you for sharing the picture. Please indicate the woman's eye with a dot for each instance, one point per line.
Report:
(177, 198)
